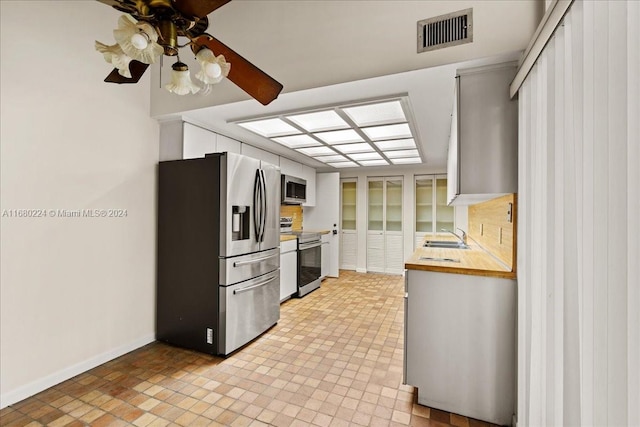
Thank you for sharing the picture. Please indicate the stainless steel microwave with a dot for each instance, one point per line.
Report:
(294, 190)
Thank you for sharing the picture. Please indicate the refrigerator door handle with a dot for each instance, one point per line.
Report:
(265, 204)
(256, 199)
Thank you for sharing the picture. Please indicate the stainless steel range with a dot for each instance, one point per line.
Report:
(309, 261)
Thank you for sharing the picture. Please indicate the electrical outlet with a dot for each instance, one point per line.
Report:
(209, 336)
(510, 213)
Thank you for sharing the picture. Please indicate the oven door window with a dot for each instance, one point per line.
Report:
(309, 264)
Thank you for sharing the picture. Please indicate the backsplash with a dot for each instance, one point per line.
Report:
(494, 228)
(294, 211)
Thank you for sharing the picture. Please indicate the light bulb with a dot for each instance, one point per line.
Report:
(139, 41)
(213, 70)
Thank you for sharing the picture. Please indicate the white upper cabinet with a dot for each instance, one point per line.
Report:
(224, 143)
(289, 167)
(196, 141)
(257, 153)
(483, 146)
(309, 174)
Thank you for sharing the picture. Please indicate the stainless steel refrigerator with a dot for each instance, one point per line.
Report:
(218, 282)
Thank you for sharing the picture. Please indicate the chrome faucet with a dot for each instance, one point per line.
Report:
(462, 239)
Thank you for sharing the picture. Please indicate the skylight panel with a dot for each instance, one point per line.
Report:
(319, 121)
(351, 135)
(335, 158)
(343, 165)
(376, 114)
(402, 153)
(381, 162)
(353, 148)
(270, 127)
(366, 156)
(377, 133)
(340, 136)
(406, 160)
(297, 141)
(396, 144)
(316, 151)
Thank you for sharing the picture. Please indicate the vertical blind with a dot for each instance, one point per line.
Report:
(579, 223)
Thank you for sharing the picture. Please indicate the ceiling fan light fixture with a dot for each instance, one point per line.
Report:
(212, 68)
(139, 40)
(181, 83)
(115, 56)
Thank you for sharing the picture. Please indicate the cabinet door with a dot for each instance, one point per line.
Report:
(324, 266)
(197, 142)
(309, 174)
(288, 274)
(224, 143)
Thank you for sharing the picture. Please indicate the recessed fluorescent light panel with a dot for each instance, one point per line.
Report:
(336, 158)
(319, 121)
(297, 141)
(372, 133)
(316, 151)
(270, 127)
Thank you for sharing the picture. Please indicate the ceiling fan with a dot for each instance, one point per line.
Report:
(150, 29)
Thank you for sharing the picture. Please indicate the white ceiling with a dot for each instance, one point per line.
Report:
(430, 92)
(327, 52)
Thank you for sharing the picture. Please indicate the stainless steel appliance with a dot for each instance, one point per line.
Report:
(294, 190)
(309, 262)
(218, 283)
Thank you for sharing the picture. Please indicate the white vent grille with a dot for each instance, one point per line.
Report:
(445, 30)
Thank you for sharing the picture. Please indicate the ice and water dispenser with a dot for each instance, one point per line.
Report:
(240, 222)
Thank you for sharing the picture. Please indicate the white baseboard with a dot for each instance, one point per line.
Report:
(361, 270)
(27, 390)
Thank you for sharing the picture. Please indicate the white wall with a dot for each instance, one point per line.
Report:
(579, 223)
(74, 292)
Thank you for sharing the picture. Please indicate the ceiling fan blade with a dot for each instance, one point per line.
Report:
(197, 8)
(243, 73)
(126, 6)
(136, 68)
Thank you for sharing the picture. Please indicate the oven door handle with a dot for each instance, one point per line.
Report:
(257, 285)
(304, 246)
(253, 261)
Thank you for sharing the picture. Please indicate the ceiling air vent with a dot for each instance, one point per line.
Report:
(445, 30)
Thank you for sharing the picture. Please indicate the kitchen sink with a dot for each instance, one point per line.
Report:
(446, 244)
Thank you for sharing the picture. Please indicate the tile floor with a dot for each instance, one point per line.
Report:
(334, 359)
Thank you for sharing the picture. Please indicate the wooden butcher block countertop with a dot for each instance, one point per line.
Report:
(474, 261)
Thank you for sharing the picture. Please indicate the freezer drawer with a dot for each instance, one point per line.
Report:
(248, 309)
(241, 268)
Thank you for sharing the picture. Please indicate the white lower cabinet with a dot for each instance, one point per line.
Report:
(460, 343)
(324, 266)
(288, 269)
